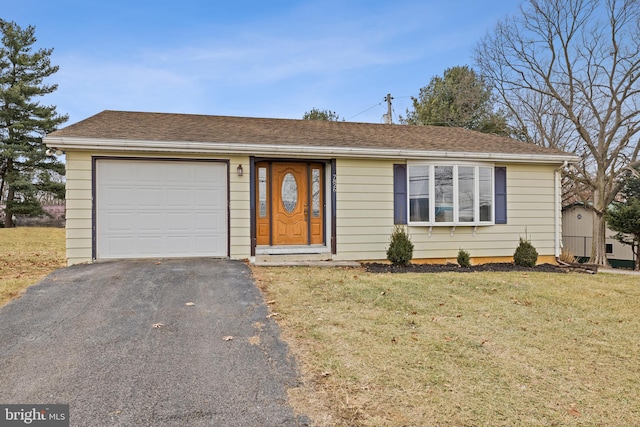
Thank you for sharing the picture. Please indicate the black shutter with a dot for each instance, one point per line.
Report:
(501, 195)
(399, 194)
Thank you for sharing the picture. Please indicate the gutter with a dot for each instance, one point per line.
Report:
(88, 144)
(557, 222)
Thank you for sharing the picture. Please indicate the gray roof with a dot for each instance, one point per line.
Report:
(167, 127)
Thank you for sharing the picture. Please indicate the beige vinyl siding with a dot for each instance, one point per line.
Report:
(365, 215)
(79, 202)
(78, 207)
(364, 208)
(239, 209)
(364, 211)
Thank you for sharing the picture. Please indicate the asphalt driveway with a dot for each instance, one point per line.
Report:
(121, 343)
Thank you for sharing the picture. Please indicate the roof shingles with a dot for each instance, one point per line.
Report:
(137, 126)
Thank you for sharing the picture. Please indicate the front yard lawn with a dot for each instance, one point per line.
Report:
(27, 254)
(442, 349)
(451, 349)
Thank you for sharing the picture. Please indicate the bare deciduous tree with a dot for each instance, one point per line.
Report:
(568, 72)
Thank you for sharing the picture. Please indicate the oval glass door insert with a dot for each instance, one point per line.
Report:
(289, 192)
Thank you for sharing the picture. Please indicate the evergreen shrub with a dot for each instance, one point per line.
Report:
(525, 255)
(400, 249)
(464, 258)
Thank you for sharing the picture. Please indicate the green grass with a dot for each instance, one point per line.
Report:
(476, 349)
(480, 349)
(27, 254)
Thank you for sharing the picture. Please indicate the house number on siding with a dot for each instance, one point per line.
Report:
(334, 184)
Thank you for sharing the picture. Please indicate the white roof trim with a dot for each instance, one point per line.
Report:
(90, 144)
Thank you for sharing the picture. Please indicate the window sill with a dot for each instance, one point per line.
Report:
(450, 224)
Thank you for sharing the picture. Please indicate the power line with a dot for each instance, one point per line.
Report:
(379, 104)
(364, 111)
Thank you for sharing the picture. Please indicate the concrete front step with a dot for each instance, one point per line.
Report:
(281, 258)
(349, 264)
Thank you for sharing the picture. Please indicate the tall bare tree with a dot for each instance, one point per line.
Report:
(568, 72)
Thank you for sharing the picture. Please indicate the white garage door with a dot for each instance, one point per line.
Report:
(147, 209)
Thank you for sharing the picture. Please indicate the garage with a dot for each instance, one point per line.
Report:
(150, 208)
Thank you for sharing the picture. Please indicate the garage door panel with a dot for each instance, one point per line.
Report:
(148, 197)
(149, 246)
(180, 221)
(207, 197)
(208, 222)
(180, 245)
(151, 222)
(117, 173)
(160, 209)
(119, 196)
(121, 245)
(179, 196)
(201, 175)
(121, 221)
(202, 243)
(180, 176)
(149, 172)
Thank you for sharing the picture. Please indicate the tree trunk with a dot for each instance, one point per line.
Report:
(598, 244)
(8, 213)
(600, 204)
(3, 181)
(1, 188)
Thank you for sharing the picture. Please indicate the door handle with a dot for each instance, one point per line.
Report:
(306, 212)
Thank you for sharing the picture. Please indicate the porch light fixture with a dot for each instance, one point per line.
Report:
(239, 170)
(54, 152)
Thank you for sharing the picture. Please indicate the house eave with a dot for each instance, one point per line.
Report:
(267, 150)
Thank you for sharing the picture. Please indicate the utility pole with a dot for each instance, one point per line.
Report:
(389, 120)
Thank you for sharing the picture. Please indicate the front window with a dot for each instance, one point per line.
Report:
(419, 194)
(443, 190)
(485, 175)
(462, 194)
(466, 194)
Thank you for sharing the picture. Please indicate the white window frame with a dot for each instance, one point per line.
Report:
(456, 208)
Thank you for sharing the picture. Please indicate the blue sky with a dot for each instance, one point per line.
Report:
(252, 58)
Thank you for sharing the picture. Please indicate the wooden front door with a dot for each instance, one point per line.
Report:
(289, 203)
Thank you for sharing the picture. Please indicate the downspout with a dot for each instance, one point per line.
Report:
(558, 209)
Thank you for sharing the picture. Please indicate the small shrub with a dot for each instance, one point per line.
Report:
(525, 255)
(400, 249)
(464, 258)
(567, 256)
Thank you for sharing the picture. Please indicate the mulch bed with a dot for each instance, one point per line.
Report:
(441, 268)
